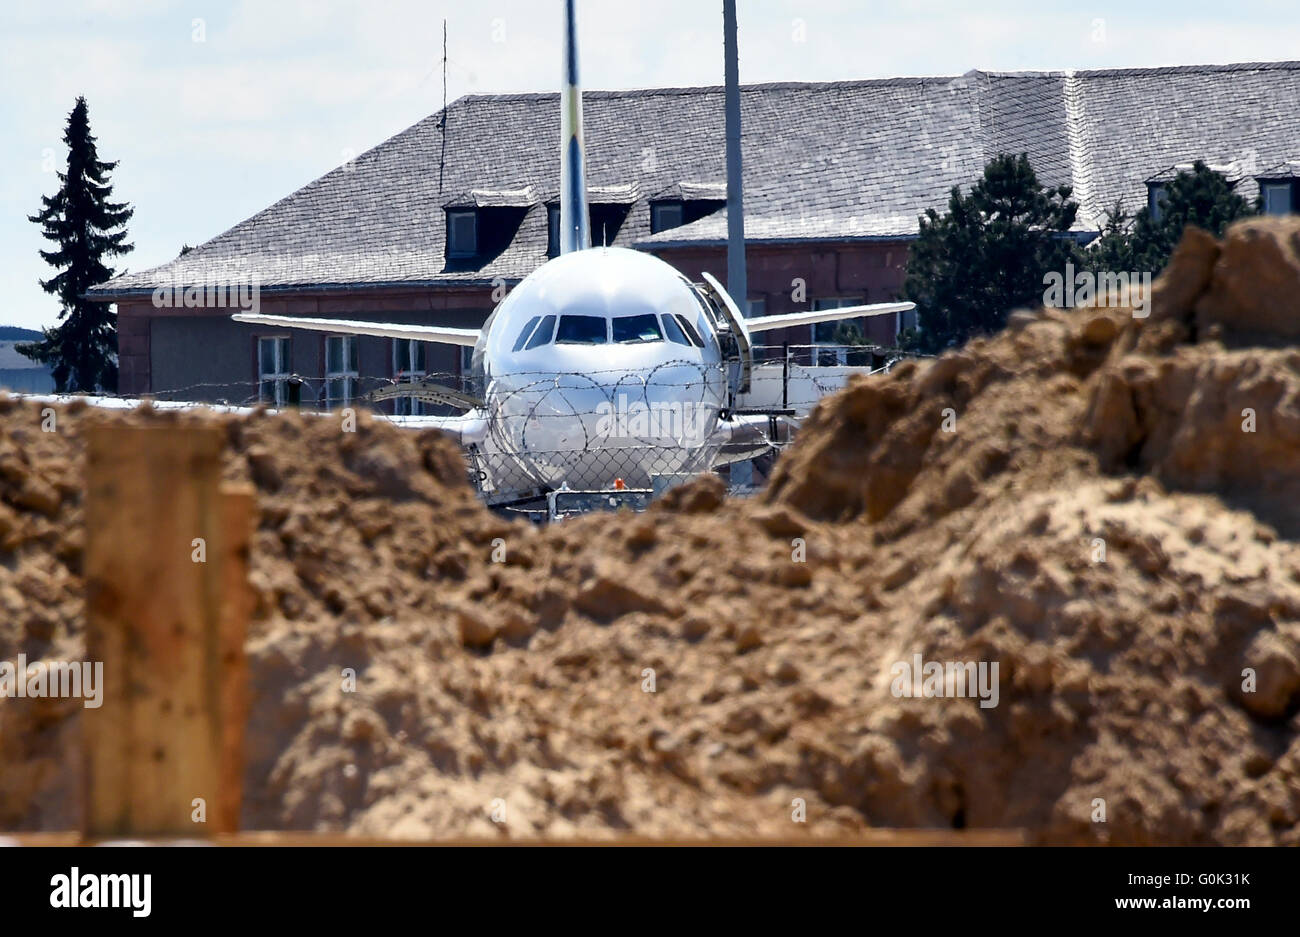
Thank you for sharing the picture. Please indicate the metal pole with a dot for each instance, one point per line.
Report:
(785, 375)
(736, 278)
(575, 232)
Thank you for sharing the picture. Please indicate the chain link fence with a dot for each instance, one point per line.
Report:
(517, 465)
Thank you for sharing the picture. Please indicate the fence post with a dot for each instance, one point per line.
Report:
(785, 375)
(238, 521)
(166, 604)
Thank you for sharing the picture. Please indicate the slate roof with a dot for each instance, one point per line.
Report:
(494, 198)
(1232, 173)
(1287, 170)
(825, 161)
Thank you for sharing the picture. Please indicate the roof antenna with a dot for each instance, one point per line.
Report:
(442, 119)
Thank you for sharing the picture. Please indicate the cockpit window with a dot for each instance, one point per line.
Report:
(707, 335)
(674, 331)
(543, 333)
(527, 331)
(581, 330)
(635, 329)
(690, 330)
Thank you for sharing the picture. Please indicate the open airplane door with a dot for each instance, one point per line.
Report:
(741, 358)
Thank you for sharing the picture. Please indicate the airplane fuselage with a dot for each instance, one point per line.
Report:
(601, 365)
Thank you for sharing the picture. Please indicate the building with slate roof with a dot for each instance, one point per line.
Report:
(18, 372)
(423, 227)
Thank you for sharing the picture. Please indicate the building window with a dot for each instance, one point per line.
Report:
(1277, 198)
(408, 365)
(606, 222)
(1156, 198)
(462, 233)
(341, 372)
(665, 215)
(552, 230)
(755, 308)
(273, 371)
(824, 333)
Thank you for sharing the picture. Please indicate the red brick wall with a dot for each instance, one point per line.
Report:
(133, 347)
(134, 315)
(871, 271)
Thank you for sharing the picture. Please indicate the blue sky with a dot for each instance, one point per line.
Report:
(218, 109)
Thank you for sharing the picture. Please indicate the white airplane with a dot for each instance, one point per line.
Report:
(605, 367)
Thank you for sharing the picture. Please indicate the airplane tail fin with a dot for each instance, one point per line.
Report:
(575, 232)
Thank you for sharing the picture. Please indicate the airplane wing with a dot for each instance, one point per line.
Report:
(419, 333)
(766, 323)
(745, 436)
(465, 429)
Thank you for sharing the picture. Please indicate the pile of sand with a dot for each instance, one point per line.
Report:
(1077, 500)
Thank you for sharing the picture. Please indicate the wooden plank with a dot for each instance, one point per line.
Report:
(238, 518)
(153, 619)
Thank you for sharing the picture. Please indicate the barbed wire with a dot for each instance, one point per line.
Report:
(502, 476)
(640, 444)
(453, 378)
(536, 396)
(534, 387)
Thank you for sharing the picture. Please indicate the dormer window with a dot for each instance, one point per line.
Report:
(552, 230)
(462, 233)
(665, 215)
(685, 202)
(1157, 195)
(483, 222)
(1279, 188)
(605, 222)
(1277, 198)
(1158, 185)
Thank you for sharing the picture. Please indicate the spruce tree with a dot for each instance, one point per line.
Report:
(87, 228)
(987, 255)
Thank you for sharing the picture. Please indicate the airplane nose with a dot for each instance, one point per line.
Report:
(624, 423)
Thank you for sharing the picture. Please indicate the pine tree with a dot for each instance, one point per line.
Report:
(988, 255)
(1144, 242)
(1113, 249)
(87, 227)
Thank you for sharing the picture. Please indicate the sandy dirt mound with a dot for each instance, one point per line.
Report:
(1103, 506)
